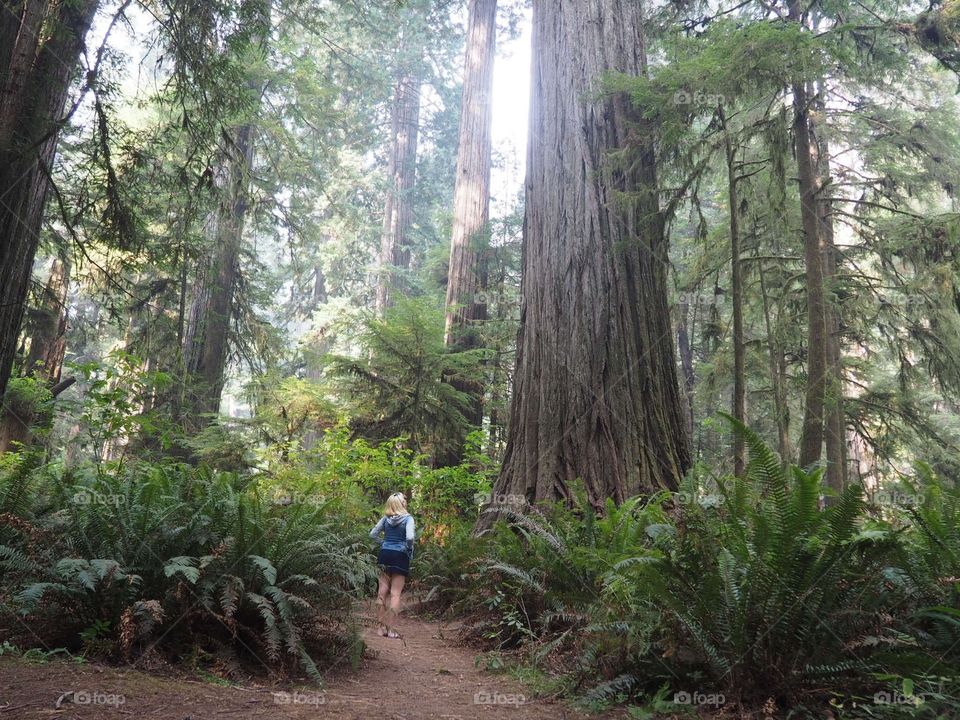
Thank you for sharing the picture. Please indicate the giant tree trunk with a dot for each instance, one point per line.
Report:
(40, 45)
(402, 175)
(48, 326)
(208, 339)
(686, 363)
(596, 395)
(811, 439)
(777, 373)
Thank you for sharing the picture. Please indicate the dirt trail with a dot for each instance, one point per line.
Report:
(422, 675)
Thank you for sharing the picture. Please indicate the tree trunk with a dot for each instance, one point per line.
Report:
(402, 175)
(208, 339)
(471, 195)
(738, 401)
(40, 46)
(686, 363)
(596, 395)
(47, 326)
(811, 438)
(212, 314)
(466, 277)
(835, 417)
(777, 374)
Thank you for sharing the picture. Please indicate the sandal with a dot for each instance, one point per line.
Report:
(392, 634)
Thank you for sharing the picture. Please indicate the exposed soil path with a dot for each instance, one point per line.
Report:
(422, 675)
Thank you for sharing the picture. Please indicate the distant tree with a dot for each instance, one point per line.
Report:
(208, 338)
(401, 178)
(466, 277)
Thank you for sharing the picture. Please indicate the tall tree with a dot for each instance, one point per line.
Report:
(805, 148)
(471, 195)
(40, 46)
(46, 326)
(835, 424)
(596, 394)
(208, 339)
(401, 178)
(738, 401)
(466, 276)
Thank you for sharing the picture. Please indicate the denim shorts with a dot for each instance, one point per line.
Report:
(394, 561)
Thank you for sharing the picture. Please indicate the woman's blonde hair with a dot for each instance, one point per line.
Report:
(396, 505)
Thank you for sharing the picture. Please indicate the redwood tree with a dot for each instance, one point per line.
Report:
(596, 394)
(40, 46)
(46, 327)
(208, 340)
(466, 277)
(471, 195)
(402, 175)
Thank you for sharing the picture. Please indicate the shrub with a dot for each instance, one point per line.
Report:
(753, 588)
(193, 559)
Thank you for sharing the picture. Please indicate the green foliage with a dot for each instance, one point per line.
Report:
(405, 385)
(142, 553)
(756, 588)
(29, 399)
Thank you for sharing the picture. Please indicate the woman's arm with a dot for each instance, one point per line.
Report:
(377, 529)
(410, 532)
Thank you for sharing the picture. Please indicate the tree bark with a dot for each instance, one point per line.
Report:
(471, 195)
(738, 401)
(208, 339)
(596, 395)
(805, 148)
(402, 175)
(686, 363)
(47, 326)
(212, 313)
(466, 276)
(777, 373)
(835, 423)
(39, 57)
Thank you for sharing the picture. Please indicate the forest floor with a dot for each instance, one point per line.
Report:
(424, 674)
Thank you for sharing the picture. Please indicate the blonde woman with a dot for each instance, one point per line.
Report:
(396, 550)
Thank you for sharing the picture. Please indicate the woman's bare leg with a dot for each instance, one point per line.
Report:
(397, 582)
(383, 589)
